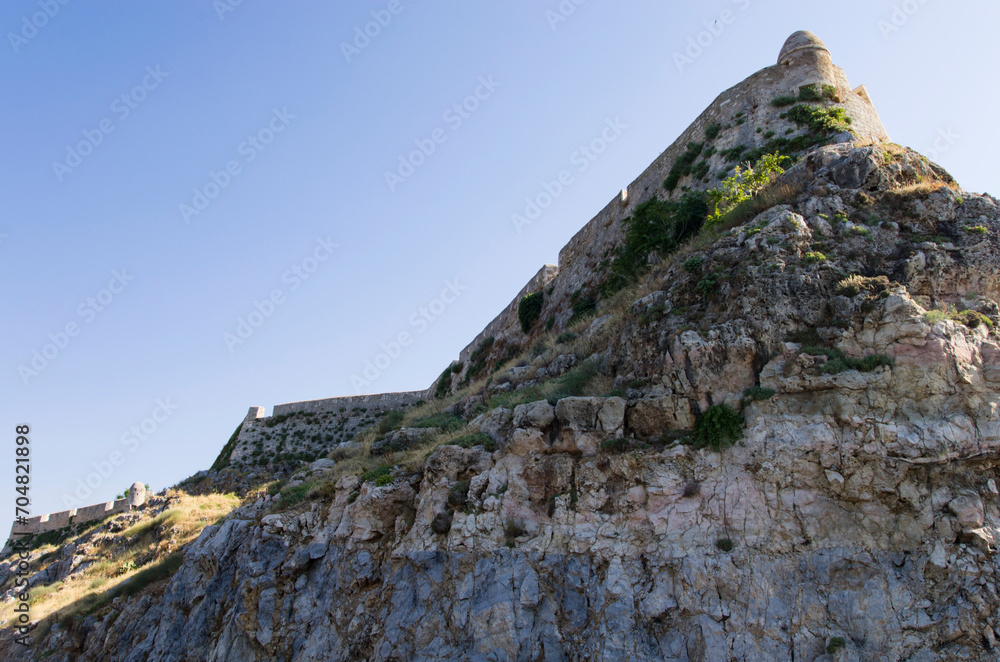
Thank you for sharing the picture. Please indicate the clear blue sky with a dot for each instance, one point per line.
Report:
(198, 86)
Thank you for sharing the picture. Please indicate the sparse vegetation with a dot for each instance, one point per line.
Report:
(656, 227)
(683, 165)
(127, 562)
(839, 362)
(478, 358)
(970, 318)
(222, 461)
(976, 229)
(756, 393)
(376, 473)
(475, 439)
(813, 257)
(619, 445)
(692, 265)
(836, 644)
(447, 422)
(741, 187)
(717, 428)
(708, 286)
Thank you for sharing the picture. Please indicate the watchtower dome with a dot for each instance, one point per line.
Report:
(807, 60)
(802, 44)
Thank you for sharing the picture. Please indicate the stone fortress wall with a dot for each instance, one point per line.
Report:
(745, 116)
(42, 523)
(381, 401)
(313, 427)
(740, 111)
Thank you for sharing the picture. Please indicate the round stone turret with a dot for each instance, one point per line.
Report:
(802, 42)
(136, 495)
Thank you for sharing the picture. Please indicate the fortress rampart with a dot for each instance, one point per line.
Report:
(42, 523)
(378, 401)
(745, 117)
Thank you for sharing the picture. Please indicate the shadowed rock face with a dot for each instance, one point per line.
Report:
(860, 504)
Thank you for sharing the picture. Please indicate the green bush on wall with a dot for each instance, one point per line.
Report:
(530, 310)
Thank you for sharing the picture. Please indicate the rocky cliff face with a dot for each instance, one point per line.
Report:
(856, 519)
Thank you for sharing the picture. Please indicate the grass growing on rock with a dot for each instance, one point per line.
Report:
(126, 563)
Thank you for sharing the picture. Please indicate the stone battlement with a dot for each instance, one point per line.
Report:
(42, 523)
(379, 401)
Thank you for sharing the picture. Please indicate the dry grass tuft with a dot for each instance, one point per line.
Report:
(118, 558)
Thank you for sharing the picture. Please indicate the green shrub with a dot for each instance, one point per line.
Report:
(583, 306)
(549, 323)
(657, 226)
(976, 229)
(717, 428)
(783, 100)
(691, 265)
(222, 461)
(529, 310)
(391, 421)
(840, 362)
(683, 165)
(381, 481)
(733, 154)
(820, 121)
(742, 186)
(376, 473)
(444, 381)
(619, 445)
(708, 286)
(813, 257)
(810, 93)
(475, 439)
(573, 383)
(836, 643)
(724, 544)
(478, 358)
(757, 393)
(447, 422)
(291, 496)
(712, 130)
(511, 399)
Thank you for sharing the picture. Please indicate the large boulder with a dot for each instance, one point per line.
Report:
(654, 416)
